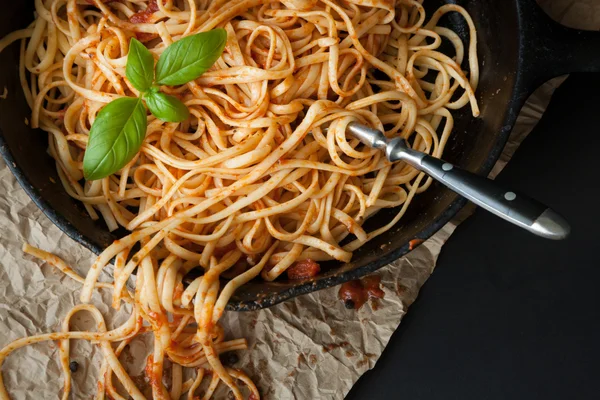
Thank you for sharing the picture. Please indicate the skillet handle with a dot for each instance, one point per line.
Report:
(552, 49)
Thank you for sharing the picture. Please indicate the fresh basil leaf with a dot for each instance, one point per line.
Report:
(115, 138)
(165, 107)
(140, 66)
(188, 58)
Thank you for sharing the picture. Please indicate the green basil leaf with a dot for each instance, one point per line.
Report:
(165, 107)
(140, 66)
(188, 58)
(115, 138)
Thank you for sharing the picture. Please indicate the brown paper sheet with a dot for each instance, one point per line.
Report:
(307, 348)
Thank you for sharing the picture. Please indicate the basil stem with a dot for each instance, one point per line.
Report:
(120, 127)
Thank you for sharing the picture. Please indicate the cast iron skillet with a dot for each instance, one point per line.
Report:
(519, 48)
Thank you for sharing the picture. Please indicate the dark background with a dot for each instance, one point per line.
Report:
(507, 315)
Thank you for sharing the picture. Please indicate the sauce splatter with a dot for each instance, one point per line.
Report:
(414, 243)
(151, 377)
(178, 292)
(148, 368)
(333, 346)
(356, 293)
(144, 17)
(303, 269)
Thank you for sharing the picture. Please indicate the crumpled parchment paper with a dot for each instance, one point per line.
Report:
(310, 347)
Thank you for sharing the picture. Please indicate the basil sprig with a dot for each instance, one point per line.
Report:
(120, 127)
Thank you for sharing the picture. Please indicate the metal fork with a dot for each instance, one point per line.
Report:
(514, 207)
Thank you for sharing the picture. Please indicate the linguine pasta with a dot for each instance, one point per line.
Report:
(260, 180)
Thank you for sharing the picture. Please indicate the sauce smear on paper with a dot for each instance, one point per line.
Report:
(356, 293)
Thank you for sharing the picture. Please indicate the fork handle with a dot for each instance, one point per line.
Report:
(510, 205)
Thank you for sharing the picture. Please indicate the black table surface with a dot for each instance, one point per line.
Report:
(507, 315)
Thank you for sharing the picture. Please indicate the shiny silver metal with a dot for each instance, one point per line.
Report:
(516, 208)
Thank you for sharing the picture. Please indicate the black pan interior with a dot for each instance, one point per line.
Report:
(475, 146)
